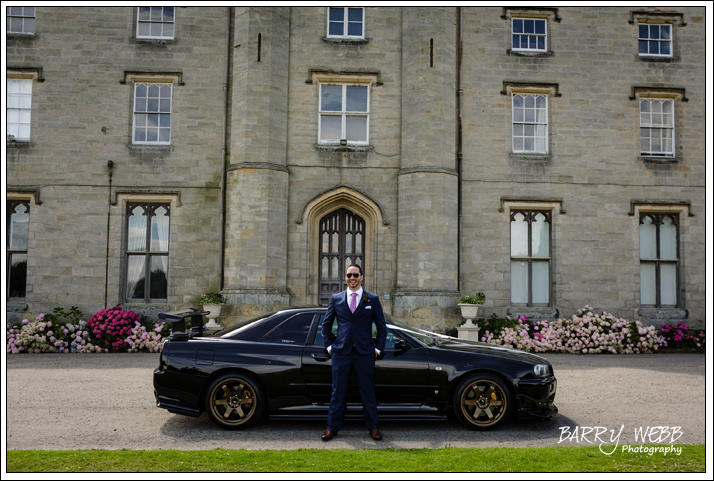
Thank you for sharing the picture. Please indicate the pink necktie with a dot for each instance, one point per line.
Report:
(353, 302)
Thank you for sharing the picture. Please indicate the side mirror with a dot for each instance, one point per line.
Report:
(400, 343)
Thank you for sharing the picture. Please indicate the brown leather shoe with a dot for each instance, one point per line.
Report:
(376, 435)
(329, 434)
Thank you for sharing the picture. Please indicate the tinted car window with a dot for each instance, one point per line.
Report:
(318, 335)
(292, 331)
(255, 329)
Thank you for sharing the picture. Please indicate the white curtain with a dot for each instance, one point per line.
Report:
(160, 230)
(135, 273)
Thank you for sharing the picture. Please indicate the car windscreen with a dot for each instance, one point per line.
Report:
(255, 329)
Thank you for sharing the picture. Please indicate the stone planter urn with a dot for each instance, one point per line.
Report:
(214, 311)
(469, 330)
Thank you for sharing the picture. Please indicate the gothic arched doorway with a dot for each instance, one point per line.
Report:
(342, 242)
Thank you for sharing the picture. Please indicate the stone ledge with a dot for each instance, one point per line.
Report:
(346, 41)
(16, 306)
(18, 144)
(343, 148)
(526, 54)
(663, 313)
(541, 157)
(654, 159)
(534, 313)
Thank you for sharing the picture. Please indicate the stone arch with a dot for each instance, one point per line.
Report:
(330, 200)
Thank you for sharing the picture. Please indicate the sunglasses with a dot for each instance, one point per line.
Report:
(350, 275)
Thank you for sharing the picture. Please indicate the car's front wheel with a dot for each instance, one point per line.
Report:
(234, 401)
(482, 401)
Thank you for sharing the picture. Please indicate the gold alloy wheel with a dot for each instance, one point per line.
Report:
(483, 402)
(233, 402)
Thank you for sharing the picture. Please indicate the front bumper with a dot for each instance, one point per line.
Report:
(535, 398)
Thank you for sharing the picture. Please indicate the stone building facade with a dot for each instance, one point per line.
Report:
(547, 157)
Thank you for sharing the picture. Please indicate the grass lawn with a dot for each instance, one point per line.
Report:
(552, 459)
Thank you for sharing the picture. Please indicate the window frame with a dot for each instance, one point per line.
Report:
(658, 40)
(23, 16)
(535, 123)
(657, 220)
(661, 126)
(19, 109)
(152, 22)
(343, 114)
(521, 34)
(529, 215)
(149, 210)
(345, 23)
(147, 112)
(11, 205)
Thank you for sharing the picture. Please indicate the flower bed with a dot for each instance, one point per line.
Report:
(108, 330)
(585, 333)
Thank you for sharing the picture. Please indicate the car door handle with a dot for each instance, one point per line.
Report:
(319, 358)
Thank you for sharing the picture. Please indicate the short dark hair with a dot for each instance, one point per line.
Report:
(357, 266)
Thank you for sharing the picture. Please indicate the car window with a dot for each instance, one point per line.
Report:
(256, 328)
(292, 331)
(318, 335)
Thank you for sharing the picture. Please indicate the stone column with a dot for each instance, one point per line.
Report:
(257, 189)
(427, 266)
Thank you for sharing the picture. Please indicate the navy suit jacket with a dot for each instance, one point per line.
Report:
(354, 329)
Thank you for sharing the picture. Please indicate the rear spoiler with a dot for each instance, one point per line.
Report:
(179, 320)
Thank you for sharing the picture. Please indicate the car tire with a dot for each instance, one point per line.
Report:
(482, 401)
(234, 401)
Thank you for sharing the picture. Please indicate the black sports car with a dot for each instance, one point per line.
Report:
(277, 365)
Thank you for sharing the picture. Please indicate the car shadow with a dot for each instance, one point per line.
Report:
(282, 434)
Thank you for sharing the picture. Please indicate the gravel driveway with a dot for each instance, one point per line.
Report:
(106, 401)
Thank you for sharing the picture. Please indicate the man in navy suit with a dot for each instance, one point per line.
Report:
(353, 348)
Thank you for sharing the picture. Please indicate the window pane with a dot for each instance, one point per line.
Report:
(337, 29)
(654, 31)
(337, 14)
(667, 239)
(354, 29)
(354, 14)
(528, 26)
(519, 282)
(135, 277)
(517, 26)
(540, 237)
(165, 120)
(144, 29)
(158, 288)
(335, 242)
(358, 243)
(357, 129)
(665, 32)
(335, 268)
(643, 47)
(647, 284)
(541, 282)
(144, 13)
(160, 230)
(540, 27)
(136, 236)
(164, 135)
(330, 127)
(654, 47)
(19, 228)
(356, 99)
(325, 268)
(668, 283)
(643, 31)
(648, 246)
(664, 48)
(331, 100)
(168, 14)
(152, 135)
(519, 236)
(29, 26)
(168, 30)
(541, 43)
(18, 275)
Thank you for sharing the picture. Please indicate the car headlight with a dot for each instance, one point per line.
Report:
(540, 370)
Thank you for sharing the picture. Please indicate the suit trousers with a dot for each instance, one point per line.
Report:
(342, 365)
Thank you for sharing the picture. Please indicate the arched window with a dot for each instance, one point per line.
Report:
(659, 259)
(342, 242)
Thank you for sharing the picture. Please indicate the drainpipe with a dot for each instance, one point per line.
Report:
(222, 221)
(459, 147)
(110, 165)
